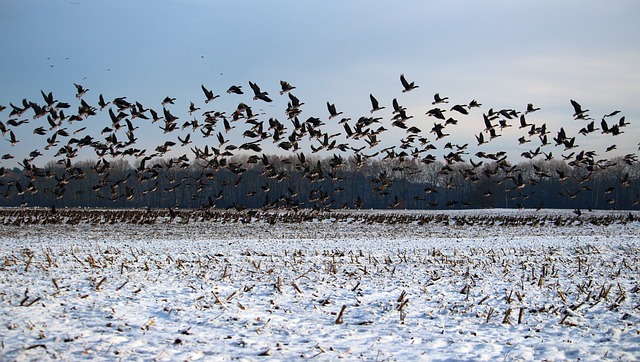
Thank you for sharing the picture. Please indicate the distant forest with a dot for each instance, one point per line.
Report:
(299, 182)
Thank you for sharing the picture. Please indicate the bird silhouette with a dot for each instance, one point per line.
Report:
(285, 87)
(62, 139)
(531, 108)
(406, 85)
(579, 113)
(167, 100)
(332, 110)
(374, 104)
(208, 94)
(460, 109)
(437, 99)
(258, 94)
(235, 89)
(80, 90)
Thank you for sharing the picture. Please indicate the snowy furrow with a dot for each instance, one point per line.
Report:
(332, 290)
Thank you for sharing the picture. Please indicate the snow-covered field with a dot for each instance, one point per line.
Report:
(342, 289)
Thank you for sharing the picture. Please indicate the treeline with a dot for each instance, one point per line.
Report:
(296, 182)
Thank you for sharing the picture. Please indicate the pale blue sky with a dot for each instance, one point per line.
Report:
(505, 54)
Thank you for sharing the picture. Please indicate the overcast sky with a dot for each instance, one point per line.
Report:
(504, 54)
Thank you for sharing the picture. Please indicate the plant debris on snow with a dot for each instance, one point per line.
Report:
(463, 286)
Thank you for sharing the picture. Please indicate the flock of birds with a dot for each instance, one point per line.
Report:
(22, 217)
(65, 134)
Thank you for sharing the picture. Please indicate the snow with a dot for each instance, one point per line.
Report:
(219, 291)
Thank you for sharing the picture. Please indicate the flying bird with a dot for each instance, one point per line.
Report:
(523, 122)
(332, 110)
(374, 104)
(531, 108)
(407, 86)
(474, 104)
(235, 89)
(102, 103)
(285, 87)
(460, 108)
(209, 94)
(80, 90)
(48, 98)
(437, 99)
(579, 113)
(168, 100)
(396, 106)
(437, 113)
(193, 108)
(12, 138)
(258, 94)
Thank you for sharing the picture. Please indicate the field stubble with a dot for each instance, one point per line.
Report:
(330, 289)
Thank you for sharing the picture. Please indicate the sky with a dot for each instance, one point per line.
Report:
(504, 54)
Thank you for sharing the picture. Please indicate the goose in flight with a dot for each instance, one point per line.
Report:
(48, 98)
(531, 108)
(590, 128)
(81, 91)
(258, 94)
(437, 99)
(12, 138)
(209, 94)
(193, 108)
(396, 106)
(235, 89)
(474, 104)
(167, 100)
(374, 104)
(407, 86)
(460, 108)
(332, 110)
(437, 113)
(285, 87)
(493, 134)
(523, 122)
(440, 135)
(102, 103)
(579, 113)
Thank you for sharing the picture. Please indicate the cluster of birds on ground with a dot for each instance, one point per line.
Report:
(20, 217)
(358, 142)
